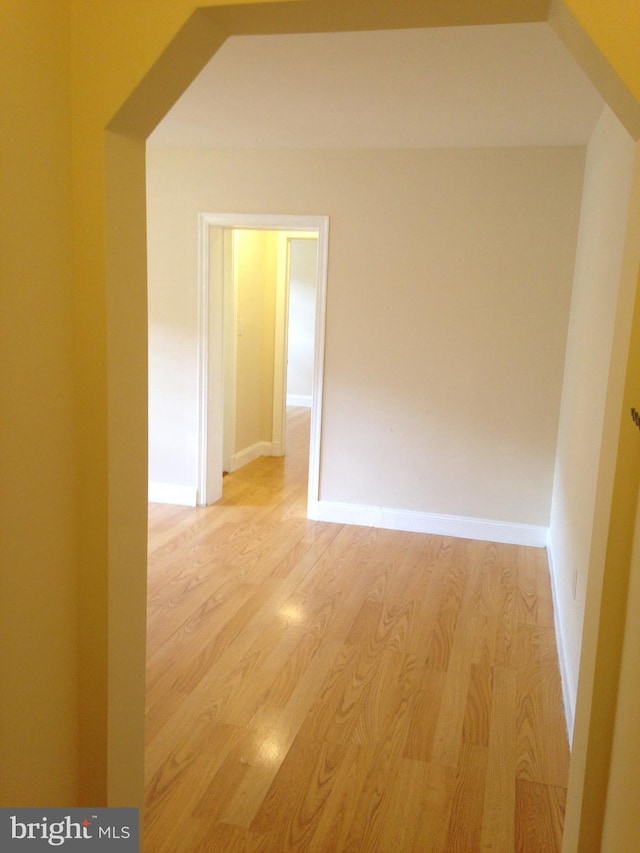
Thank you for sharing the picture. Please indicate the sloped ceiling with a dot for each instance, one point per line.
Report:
(497, 85)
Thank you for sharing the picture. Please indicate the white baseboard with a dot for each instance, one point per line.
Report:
(243, 457)
(299, 400)
(426, 522)
(170, 493)
(566, 677)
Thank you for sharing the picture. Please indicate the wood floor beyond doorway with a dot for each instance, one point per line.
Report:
(320, 687)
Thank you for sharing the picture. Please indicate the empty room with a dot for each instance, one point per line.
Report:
(362, 640)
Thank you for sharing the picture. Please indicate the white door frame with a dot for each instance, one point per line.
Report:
(211, 296)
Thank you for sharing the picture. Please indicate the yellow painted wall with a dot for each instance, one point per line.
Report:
(269, 333)
(85, 328)
(621, 830)
(602, 38)
(38, 601)
(606, 599)
(614, 26)
(255, 283)
(114, 44)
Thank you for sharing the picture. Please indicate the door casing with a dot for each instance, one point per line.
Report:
(214, 296)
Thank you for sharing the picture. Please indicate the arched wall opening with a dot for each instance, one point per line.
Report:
(120, 681)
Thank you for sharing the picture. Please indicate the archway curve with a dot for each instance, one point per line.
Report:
(205, 31)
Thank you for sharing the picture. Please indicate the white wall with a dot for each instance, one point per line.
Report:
(596, 299)
(448, 296)
(303, 262)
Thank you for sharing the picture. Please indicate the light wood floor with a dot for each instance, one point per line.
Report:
(320, 687)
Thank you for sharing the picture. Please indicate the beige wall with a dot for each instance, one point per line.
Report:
(598, 296)
(447, 307)
(172, 350)
(303, 262)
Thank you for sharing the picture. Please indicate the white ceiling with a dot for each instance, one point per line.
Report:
(500, 85)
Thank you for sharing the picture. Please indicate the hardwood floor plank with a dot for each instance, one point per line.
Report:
(539, 817)
(477, 718)
(275, 729)
(447, 740)
(432, 821)
(527, 602)
(500, 787)
(406, 802)
(333, 826)
(429, 596)
(371, 814)
(442, 638)
(465, 822)
(175, 787)
(543, 754)
(294, 804)
(426, 711)
(507, 613)
(382, 706)
(204, 836)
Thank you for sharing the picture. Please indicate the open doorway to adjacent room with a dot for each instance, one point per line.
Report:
(225, 362)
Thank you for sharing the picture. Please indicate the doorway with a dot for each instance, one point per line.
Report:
(221, 328)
